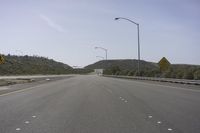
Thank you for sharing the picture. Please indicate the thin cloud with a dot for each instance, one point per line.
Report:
(51, 23)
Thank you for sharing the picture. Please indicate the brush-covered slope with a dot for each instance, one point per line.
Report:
(22, 65)
(124, 64)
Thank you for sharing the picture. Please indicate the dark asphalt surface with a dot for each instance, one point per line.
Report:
(92, 104)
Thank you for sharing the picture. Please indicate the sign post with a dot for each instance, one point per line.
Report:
(2, 60)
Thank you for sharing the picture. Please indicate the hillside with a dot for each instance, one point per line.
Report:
(16, 65)
(125, 64)
(149, 69)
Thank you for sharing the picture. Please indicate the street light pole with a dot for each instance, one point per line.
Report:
(106, 51)
(138, 31)
(138, 28)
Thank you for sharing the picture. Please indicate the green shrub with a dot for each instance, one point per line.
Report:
(188, 75)
(131, 73)
(197, 74)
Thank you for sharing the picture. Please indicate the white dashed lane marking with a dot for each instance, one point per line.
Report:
(123, 99)
(159, 122)
(34, 116)
(47, 79)
(150, 116)
(27, 122)
(169, 129)
(18, 129)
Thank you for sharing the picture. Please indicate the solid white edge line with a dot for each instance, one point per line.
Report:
(18, 91)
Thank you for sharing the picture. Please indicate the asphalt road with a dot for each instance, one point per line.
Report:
(92, 104)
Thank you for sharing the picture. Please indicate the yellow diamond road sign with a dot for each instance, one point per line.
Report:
(1, 59)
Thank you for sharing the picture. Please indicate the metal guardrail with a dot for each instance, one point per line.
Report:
(180, 81)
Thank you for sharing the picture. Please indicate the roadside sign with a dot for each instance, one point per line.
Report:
(1, 59)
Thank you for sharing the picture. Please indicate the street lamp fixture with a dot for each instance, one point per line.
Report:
(106, 51)
(138, 31)
(100, 57)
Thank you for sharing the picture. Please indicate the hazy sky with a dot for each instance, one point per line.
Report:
(68, 30)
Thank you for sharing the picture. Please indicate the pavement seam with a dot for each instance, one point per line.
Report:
(22, 90)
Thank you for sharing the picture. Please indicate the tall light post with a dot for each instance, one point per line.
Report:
(138, 31)
(100, 57)
(106, 51)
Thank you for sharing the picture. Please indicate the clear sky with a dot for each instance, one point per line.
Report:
(68, 30)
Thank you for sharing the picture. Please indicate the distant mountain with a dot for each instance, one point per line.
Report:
(15, 65)
(123, 64)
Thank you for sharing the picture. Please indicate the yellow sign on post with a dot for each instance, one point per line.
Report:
(1, 59)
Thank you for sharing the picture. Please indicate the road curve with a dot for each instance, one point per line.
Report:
(92, 104)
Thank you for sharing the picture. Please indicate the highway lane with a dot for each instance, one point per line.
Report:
(92, 104)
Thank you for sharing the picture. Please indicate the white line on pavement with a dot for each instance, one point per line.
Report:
(18, 129)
